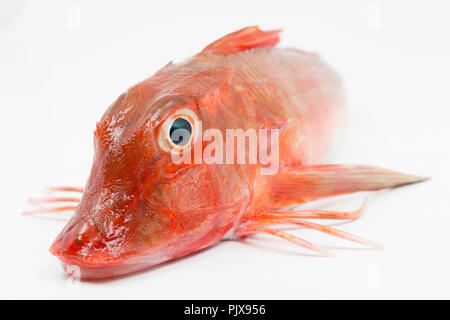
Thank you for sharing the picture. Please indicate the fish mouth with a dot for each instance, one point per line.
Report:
(87, 254)
(102, 265)
(100, 259)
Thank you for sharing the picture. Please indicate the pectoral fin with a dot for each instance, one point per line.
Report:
(308, 183)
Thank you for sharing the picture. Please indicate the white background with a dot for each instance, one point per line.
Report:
(58, 76)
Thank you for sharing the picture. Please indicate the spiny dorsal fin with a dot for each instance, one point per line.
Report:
(244, 39)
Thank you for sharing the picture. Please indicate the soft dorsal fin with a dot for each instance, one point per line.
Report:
(244, 39)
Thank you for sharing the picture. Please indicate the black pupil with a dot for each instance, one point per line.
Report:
(180, 132)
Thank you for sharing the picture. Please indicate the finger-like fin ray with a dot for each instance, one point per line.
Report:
(286, 236)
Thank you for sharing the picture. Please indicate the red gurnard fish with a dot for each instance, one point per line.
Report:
(140, 208)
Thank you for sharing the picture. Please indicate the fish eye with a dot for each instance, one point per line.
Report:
(179, 130)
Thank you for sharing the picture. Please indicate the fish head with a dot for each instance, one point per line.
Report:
(141, 206)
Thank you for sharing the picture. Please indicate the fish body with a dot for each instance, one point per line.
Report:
(140, 209)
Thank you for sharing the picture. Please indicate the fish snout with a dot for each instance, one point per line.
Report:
(81, 244)
(89, 255)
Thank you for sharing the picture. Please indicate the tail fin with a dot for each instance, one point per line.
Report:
(310, 183)
(244, 39)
